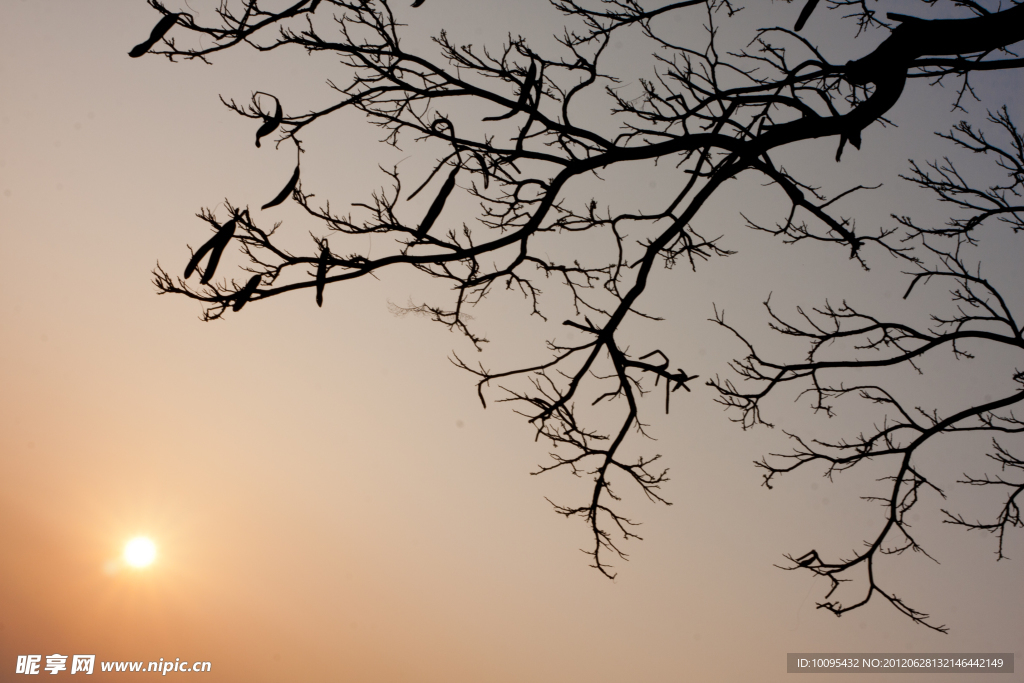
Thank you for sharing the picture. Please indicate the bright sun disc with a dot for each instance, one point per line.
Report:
(139, 552)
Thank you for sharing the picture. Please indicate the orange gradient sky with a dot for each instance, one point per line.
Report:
(328, 498)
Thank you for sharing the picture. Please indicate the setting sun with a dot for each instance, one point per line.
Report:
(140, 552)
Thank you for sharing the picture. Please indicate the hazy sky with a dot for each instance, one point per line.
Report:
(329, 500)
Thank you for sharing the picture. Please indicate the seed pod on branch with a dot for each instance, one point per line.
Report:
(286, 192)
(438, 205)
(805, 14)
(246, 292)
(321, 273)
(528, 84)
(215, 246)
(271, 123)
(524, 95)
(483, 167)
(161, 28)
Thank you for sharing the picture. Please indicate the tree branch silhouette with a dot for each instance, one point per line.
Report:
(515, 131)
(842, 340)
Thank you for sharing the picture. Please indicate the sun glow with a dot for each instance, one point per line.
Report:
(140, 552)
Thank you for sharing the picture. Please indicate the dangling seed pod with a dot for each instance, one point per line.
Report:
(531, 80)
(321, 273)
(438, 205)
(285, 193)
(524, 95)
(246, 293)
(483, 167)
(223, 237)
(215, 246)
(158, 32)
(805, 14)
(271, 123)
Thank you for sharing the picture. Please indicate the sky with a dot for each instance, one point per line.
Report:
(328, 498)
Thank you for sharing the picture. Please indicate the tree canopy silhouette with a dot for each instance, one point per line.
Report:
(514, 130)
